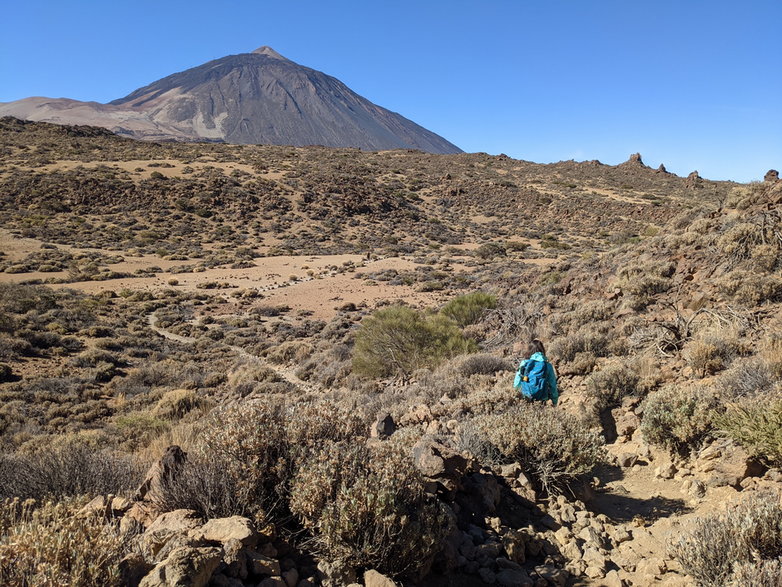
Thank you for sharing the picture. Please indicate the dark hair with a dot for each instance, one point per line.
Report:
(535, 346)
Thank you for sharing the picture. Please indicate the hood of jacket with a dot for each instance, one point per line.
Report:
(538, 357)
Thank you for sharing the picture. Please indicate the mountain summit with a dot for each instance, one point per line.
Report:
(250, 98)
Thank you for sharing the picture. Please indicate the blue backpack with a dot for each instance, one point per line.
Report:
(531, 380)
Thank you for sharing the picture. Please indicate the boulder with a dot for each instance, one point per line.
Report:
(732, 465)
(273, 582)
(372, 578)
(626, 460)
(383, 427)
(552, 574)
(185, 567)
(166, 526)
(291, 577)
(436, 461)
(771, 176)
(259, 564)
(513, 578)
(224, 529)
(514, 542)
(666, 471)
(132, 569)
(168, 467)
(626, 422)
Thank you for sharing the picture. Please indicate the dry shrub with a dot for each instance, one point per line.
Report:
(70, 470)
(239, 465)
(252, 377)
(368, 508)
(763, 573)
(771, 351)
(482, 363)
(712, 350)
(749, 534)
(765, 258)
(291, 351)
(756, 424)
(611, 383)
(550, 444)
(679, 418)
(704, 357)
(243, 459)
(50, 545)
(740, 240)
(746, 378)
(177, 403)
(751, 289)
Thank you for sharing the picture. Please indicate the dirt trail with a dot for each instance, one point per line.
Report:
(286, 373)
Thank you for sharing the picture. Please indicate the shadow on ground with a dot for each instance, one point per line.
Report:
(622, 508)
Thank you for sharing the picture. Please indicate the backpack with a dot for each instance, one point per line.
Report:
(531, 380)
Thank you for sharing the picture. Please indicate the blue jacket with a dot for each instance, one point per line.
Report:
(551, 376)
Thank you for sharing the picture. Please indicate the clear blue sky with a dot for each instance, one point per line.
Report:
(693, 84)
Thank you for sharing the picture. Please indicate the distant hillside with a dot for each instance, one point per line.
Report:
(251, 98)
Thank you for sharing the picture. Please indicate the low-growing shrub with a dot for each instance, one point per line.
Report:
(468, 309)
(746, 378)
(751, 289)
(678, 418)
(400, 339)
(756, 424)
(611, 383)
(368, 508)
(51, 545)
(175, 404)
(750, 533)
(762, 573)
(482, 363)
(245, 455)
(70, 470)
(550, 444)
(712, 350)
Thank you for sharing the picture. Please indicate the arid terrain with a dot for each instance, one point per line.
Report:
(330, 335)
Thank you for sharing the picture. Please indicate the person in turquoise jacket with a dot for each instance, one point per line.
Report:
(535, 377)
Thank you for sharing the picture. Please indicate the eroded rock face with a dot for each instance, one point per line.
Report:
(437, 461)
(166, 526)
(223, 530)
(771, 176)
(185, 567)
(168, 466)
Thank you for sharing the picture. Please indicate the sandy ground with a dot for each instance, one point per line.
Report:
(311, 283)
(319, 284)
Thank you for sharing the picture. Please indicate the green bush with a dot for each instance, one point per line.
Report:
(552, 445)
(400, 339)
(723, 544)
(756, 424)
(468, 309)
(367, 508)
(678, 418)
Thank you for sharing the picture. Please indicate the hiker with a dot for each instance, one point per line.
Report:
(535, 377)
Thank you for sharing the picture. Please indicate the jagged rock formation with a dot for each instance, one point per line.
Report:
(250, 98)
